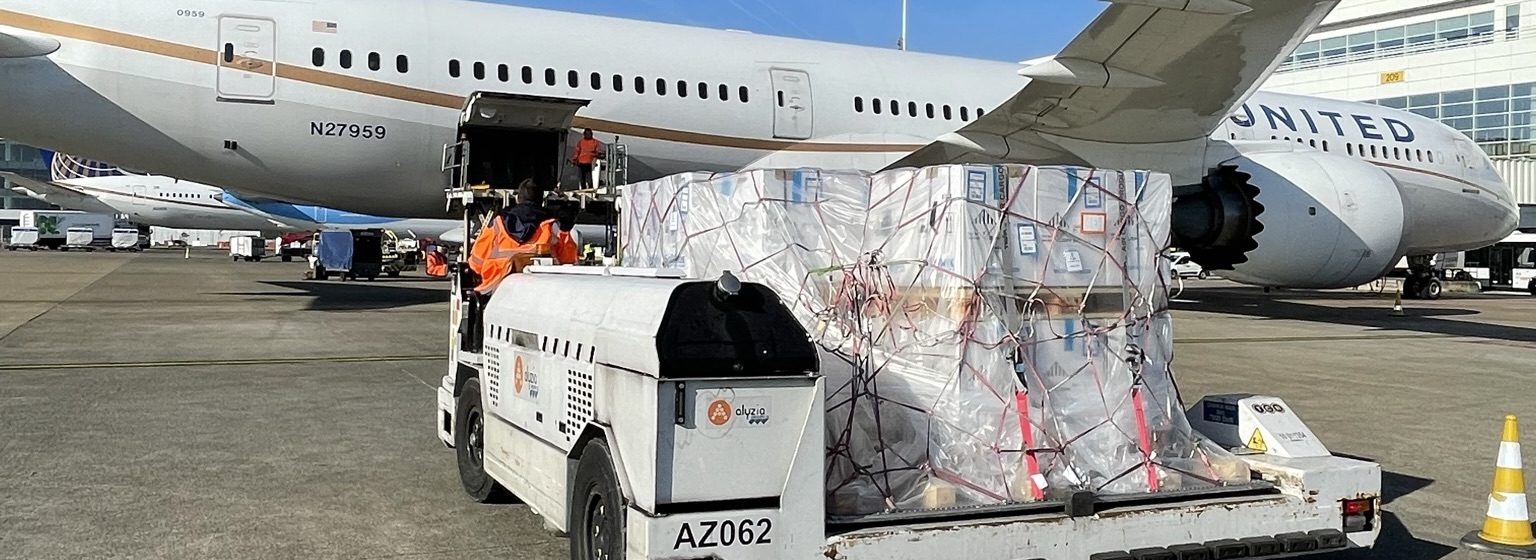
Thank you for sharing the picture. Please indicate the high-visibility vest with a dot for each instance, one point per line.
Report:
(437, 264)
(587, 150)
(497, 254)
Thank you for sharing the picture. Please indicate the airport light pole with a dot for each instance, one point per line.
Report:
(902, 42)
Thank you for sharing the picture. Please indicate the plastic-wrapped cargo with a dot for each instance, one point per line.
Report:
(990, 334)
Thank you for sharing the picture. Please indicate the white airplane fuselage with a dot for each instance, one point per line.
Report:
(363, 95)
(166, 202)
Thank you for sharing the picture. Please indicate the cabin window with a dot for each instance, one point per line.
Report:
(479, 70)
(639, 84)
(661, 86)
(618, 82)
(858, 104)
(229, 53)
(725, 92)
(317, 57)
(875, 103)
(949, 114)
(781, 99)
(703, 90)
(503, 73)
(895, 108)
(346, 59)
(573, 79)
(682, 88)
(965, 114)
(980, 113)
(744, 94)
(528, 75)
(402, 64)
(930, 111)
(912, 108)
(375, 62)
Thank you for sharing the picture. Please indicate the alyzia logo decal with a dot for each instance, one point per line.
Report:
(731, 411)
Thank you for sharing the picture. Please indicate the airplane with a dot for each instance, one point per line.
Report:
(80, 184)
(348, 103)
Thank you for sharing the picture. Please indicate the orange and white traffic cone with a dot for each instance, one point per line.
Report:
(1507, 530)
(1397, 305)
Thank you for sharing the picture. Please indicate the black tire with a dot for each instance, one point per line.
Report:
(322, 274)
(1432, 290)
(469, 446)
(1532, 288)
(1203, 275)
(597, 507)
(287, 258)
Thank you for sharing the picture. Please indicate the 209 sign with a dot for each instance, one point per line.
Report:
(348, 130)
(717, 534)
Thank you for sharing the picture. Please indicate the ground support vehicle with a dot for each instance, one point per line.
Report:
(294, 245)
(248, 248)
(79, 239)
(127, 239)
(647, 415)
(399, 254)
(352, 255)
(24, 238)
(53, 226)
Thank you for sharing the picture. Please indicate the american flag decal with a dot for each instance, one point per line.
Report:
(326, 27)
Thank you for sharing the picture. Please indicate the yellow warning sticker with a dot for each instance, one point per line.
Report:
(1256, 442)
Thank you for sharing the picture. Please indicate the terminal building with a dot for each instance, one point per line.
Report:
(1469, 63)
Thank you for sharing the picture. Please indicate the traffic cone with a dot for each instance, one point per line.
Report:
(1397, 305)
(1507, 530)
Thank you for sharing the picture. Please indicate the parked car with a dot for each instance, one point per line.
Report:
(1185, 266)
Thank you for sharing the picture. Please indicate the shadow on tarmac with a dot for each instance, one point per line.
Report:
(1396, 541)
(356, 296)
(1290, 305)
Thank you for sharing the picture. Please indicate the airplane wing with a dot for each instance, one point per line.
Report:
(1146, 72)
(56, 194)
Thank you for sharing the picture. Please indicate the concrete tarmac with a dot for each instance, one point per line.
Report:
(158, 407)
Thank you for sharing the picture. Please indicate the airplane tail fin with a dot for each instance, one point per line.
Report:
(17, 46)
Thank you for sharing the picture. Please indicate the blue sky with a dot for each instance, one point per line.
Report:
(1010, 30)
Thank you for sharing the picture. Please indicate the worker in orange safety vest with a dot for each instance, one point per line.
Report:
(516, 236)
(437, 263)
(588, 151)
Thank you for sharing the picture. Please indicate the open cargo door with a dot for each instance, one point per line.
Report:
(505, 138)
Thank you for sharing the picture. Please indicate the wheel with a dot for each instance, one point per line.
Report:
(234, 258)
(597, 508)
(322, 274)
(469, 446)
(1203, 275)
(1532, 288)
(1432, 290)
(287, 258)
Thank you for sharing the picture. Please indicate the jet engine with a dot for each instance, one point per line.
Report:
(1292, 219)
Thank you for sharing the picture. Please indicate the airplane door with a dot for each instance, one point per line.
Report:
(247, 60)
(794, 117)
